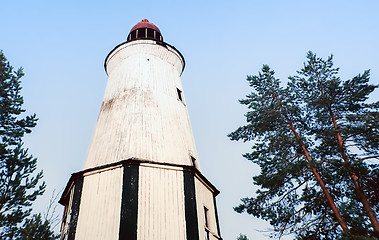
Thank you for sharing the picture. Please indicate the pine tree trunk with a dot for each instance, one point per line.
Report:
(328, 196)
(354, 177)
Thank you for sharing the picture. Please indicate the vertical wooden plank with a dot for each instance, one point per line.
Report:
(100, 206)
(192, 228)
(180, 200)
(216, 215)
(161, 192)
(142, 191)
(163, 214)
(169, 215)
(206, 198)
(75, 208)
(129, 204)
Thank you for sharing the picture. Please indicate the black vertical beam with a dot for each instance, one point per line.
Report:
(75, 208)
(215, 207)
(192, 228)
(129, 203)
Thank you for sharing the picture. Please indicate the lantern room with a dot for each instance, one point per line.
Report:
(145, 30)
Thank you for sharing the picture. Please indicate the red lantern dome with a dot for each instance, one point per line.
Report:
(145, 30)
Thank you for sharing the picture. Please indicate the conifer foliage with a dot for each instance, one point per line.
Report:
(19, 183)
(316, 142)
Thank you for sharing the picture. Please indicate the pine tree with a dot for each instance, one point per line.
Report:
(289, 175)
(37, 228)
(346, 127)
(19, 182)
(298, 184)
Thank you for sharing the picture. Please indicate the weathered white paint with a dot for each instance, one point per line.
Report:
(205, 198)
(99, 215)
(160, 203)
(141, 115)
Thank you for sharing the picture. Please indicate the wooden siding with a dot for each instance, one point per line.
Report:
(66, 219)
(205, 198)
(141, 115)
(99, 216)
(143, 121)
(161, 203)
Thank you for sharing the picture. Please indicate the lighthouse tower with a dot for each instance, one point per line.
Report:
(141, 179)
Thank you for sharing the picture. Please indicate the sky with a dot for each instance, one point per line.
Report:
(62, 46)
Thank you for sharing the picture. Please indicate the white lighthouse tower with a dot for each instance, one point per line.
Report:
(141, 179)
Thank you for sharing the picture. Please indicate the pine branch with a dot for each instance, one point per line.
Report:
(369, 157)
(285, 195)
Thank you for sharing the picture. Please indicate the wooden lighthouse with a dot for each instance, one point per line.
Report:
(141, 179)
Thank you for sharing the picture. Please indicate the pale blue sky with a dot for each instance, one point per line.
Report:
(62, 46)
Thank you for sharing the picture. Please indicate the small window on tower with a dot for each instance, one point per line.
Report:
(206, 222)
(193, 159)
(180, 95)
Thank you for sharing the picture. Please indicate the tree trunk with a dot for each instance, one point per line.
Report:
(328, 196)
(354, 177)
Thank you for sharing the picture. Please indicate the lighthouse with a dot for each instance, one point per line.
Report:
(141, 179)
